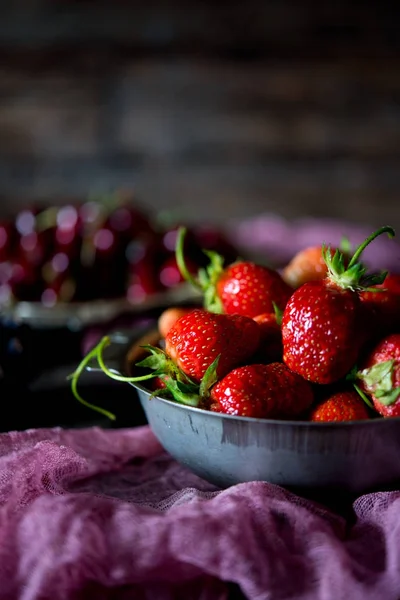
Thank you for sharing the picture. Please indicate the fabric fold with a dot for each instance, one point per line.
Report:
(108, 514)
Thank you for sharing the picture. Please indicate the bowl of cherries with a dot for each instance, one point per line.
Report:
(69, 265)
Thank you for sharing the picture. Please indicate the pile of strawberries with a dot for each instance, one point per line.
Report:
(318, 340)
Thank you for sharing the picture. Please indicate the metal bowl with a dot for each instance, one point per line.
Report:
(349, 457)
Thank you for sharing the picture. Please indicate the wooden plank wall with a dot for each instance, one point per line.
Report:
(216, 110)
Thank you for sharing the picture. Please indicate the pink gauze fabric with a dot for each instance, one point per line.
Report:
(107, 514)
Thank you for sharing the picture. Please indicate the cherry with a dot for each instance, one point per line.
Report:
(24, 281)
(144, 250)
(209, 237)
(143, 257)
(169, 273)
(8, 236)
(94, 249)
(6, 296)
(67, 237)
(6, 268)
(61, 289)
(31, 247)
(128, 222)
(102, 272)
(169, 237)
(59, 282)
(142, 284)
(25, 220)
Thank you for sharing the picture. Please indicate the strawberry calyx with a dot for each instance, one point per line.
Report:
(379, 379)
(278, 312)
(352, 378)
(210, 377)
(177, 383)
(207, 277)
(354, 275)
(184, 393)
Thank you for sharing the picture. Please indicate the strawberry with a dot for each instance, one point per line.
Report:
(169, 316)
(199, 348)
(307, 265)
(250, 289)
(382, 305)
(196, 340)
(321, 323)
(243, 287)
(379, 376)
(345, 405)
(262, 391)
(270, 348)
(392, 283)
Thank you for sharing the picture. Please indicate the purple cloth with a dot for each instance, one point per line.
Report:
(107, 514)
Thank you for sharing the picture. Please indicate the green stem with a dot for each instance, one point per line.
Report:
(115, 376)
(386, 229)
(179, 254)
(74, 384)
(363, 396)
(184, 398)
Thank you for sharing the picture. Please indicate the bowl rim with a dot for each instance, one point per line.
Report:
(282, 422)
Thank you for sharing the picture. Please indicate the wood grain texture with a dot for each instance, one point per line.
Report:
(215, 112)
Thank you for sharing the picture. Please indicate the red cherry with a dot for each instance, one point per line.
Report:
(24, 280)
(67, 236)
(128, 221)
(144, 256)
(6, 268)
(169, 237)
(25, 220)
(58, 267)
(169, 273)
(6, 295)
(61, 289)
(144, 250)
(209, 237)
(141, 285)
(102, 272)
(90, 215)
(31, 248)
(8, 235)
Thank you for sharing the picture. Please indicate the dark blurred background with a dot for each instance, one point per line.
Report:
(214, 109)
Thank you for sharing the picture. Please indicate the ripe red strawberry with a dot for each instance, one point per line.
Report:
(243, 287)
(196, 340)
(250, 289)
(307, 265)
(382, 306)
(345, 405)
(157, 384)
(321, 323)
(379, 376)
(169, 316)
(263, 391)
(392, 283)
(270, 348)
